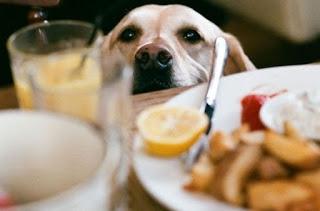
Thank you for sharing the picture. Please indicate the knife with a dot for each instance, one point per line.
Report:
(208, 106)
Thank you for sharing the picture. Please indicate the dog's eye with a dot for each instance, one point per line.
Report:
(191, 36)
(128, 35)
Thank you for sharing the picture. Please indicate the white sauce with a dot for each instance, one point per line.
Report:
(301, 109)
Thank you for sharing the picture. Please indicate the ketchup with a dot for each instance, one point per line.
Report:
(251, 105)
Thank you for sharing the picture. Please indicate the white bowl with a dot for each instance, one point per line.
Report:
(301, 108)
(43, 155)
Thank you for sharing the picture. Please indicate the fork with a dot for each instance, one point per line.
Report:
(208, 106)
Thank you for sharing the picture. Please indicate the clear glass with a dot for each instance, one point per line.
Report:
(40, 46)
(45, 63)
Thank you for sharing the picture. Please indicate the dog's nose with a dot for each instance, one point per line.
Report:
(153, 56)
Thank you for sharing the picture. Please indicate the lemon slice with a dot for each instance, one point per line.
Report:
(170, 130)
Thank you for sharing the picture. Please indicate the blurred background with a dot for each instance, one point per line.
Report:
(273, 32)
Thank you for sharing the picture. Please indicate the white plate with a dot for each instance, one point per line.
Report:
(163, 178)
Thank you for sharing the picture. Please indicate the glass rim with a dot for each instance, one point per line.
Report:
(10, 42)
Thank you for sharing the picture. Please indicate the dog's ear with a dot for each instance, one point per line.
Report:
(106, 45)
(112, 59)
(237, 60)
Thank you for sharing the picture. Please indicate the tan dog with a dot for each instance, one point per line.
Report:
(170, 46)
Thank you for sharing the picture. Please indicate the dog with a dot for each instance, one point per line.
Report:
(170, 46)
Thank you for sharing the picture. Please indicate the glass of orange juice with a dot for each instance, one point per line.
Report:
(45, 61)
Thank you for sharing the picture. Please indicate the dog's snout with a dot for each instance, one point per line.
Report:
(153, 57)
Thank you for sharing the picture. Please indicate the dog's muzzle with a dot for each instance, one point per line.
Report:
(153, 68)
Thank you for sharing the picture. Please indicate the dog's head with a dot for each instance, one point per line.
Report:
(170, 46)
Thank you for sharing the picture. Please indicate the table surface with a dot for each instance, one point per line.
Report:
(140, 200)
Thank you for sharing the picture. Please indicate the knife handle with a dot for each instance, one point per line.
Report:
(221, 55)
(209, 111)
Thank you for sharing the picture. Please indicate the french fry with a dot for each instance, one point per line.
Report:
(201, 174)
(220, 144)
(270, 168)
(303, 155)
(233, 172)
(279, 195)
(253, 137)
(303, 206)
(292, 132)
(312, 179)
(244, 128)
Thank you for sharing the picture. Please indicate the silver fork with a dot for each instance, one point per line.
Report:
(209, 103)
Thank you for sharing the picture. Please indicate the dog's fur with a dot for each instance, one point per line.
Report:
(163, 26)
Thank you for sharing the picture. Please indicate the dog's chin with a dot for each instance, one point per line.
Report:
(147, 82)
(149, 85)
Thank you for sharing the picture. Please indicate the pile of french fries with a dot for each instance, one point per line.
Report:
(260, 170)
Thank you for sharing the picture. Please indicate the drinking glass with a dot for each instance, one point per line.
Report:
(46, 63)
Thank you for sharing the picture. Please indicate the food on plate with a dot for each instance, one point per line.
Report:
(302, 109)
(220, 144)
(238, 132)
(263, 170)
(297, 154)
(279, 195)
(254, 137)
(292, 132)
(232, 172)
(251, 105)
(201, 174)
(170, 130)
(271, 168)
(311, 178)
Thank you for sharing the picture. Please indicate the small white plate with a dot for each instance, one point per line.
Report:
(163, 177)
